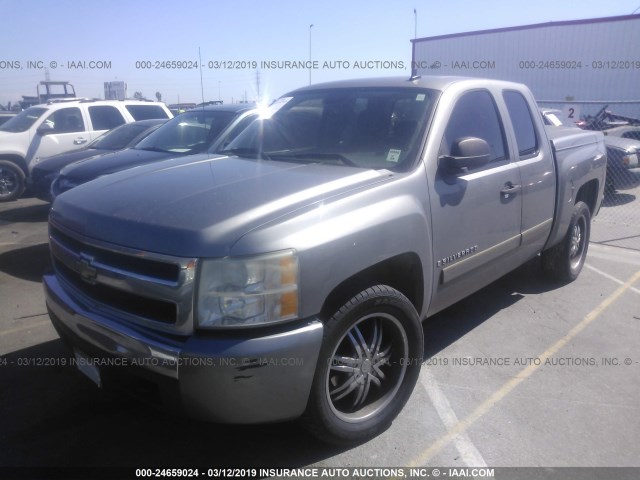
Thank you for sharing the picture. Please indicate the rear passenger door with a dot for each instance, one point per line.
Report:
(535, 161)
(476, 212)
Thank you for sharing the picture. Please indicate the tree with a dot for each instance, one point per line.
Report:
(139, 96)
(159, 96)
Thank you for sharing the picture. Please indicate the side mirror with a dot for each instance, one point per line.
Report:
(45, 129)
(466, 152)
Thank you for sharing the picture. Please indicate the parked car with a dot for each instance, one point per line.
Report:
(622, 155)
(191, 132)
(632, 132)
(58, 126)
(124, 136)
(289, 279)
(5, 116)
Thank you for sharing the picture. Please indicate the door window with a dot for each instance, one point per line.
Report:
(476, 115)
(104, 117)
(523, 126)
(66, 120)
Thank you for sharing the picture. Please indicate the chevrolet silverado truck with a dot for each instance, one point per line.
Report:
(288, 277)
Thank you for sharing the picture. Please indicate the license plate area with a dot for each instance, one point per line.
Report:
(88, 368)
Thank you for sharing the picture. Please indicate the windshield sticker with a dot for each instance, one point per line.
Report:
(274, 107)
(394, 155)
(420, 97)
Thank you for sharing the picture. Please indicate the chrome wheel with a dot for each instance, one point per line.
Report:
(8, 182)
(11, 181)
(367, 367)
(576, 245)
(565, 260)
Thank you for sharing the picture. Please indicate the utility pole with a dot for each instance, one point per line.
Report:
(258, 83)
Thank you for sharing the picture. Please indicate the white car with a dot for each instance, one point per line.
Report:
(60, 126)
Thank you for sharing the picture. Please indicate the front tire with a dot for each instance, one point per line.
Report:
(12, 181)
(564, 261)
(368, 365)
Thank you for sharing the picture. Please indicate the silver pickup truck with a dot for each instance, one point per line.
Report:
(288, 278)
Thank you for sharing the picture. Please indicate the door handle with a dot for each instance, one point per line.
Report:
(79, 141)
(510, 188)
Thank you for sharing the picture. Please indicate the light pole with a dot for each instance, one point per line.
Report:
(219, 90)
(310, 27)
(415, 24)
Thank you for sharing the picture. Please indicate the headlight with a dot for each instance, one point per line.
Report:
(248, 292)
(62, 184)
(630, 160)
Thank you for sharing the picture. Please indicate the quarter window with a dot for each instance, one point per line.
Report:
(522, 122)
(146, 112)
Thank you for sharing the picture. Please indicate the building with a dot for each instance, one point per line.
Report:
(115, 90)
(576, 65)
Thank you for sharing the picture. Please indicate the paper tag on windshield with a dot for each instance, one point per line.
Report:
(394, 155)
(274, 107)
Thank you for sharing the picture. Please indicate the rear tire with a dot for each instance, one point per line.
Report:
(12, 181)
(564, 261)
(368, 365)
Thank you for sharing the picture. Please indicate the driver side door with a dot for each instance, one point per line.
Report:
(476, 211)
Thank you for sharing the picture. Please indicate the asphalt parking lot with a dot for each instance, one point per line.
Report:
(522, 373)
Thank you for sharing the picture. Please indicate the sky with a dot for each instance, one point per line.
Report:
(250, 49)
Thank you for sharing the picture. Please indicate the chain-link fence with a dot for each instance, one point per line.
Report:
(618, 222)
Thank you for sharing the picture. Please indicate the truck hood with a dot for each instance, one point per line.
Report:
(199, 206)
(90, 168)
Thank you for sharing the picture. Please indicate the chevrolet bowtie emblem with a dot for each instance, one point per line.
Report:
(87, 271)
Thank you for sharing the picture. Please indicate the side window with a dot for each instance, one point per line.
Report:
(634, 134)
(476, 115)
(146, 112)
(523, 125)
(104, 117)
(66, 120)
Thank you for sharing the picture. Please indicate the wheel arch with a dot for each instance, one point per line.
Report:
(402, 272)
(588, 193)
(18, 160)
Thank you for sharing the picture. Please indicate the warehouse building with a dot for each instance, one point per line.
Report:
(576, 65)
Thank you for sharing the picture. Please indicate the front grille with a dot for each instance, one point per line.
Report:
(158, 310)
(142, 266)
(151, 289)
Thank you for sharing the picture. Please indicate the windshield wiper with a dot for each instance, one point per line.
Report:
(245, 152)
(316, 156)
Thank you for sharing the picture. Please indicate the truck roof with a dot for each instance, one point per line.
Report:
(428, 81)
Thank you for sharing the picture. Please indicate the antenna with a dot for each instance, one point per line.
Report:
(201, 83)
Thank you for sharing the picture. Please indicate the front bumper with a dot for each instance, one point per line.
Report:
(247, 377)
(39, 185)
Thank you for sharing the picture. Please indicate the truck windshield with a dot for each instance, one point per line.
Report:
(23, 121)
(188, 133)
(378, 128)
